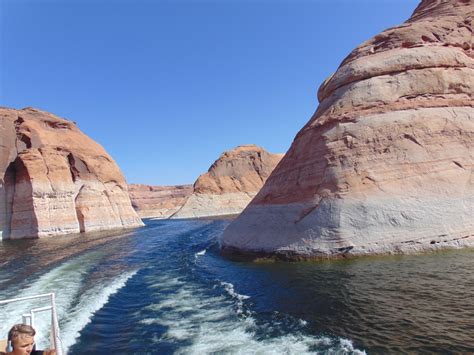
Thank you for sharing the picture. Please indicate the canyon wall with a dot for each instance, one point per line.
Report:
(158, 201)
(385, 163)
(55, 180)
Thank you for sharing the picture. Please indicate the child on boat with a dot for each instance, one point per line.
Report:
(21, 341)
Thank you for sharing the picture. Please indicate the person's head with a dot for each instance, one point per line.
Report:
(22, 337)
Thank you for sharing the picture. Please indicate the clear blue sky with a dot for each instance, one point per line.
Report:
(166, 86)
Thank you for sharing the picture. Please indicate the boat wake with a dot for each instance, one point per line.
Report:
(222, 323)
(182, 304)
(75, 304)
(89, 303)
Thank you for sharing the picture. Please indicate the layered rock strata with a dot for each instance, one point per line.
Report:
(385, 163)
(230, 184)
(158, 201)
(55, 180)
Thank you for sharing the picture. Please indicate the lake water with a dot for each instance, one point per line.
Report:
(164, 289)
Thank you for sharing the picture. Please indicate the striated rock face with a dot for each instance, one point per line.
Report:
(55, 180)
(231, 183)
(158, 201)
(385, 164)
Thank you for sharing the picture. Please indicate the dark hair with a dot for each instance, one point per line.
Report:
(20, 329)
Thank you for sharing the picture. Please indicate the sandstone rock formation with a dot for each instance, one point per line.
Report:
(55, 180)
(385, 163)
(158, 201)
(230, 184)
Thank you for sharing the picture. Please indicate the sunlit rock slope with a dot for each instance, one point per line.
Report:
(385, 163)
(55, 180)
(231, 183)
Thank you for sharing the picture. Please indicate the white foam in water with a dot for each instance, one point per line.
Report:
(216, 324)
(90, 302)
(200, 253)
(237, 296)
(230, 290)
(303, 322)
(65, 280)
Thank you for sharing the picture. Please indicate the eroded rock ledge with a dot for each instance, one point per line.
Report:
(55, 180)
(385, 163)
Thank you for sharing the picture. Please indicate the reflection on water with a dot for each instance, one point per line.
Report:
(397, 304)
(165, 289)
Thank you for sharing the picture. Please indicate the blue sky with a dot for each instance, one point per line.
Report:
(167, 86)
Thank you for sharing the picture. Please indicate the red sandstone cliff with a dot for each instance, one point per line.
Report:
(385, 163)
(231, 182)
(158, 201)
(56, 180)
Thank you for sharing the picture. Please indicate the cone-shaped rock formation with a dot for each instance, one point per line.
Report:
(231, 183)
(385, 164)
(55, 180)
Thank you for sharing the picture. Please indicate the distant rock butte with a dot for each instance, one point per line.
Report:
(385, 163)
(158, 201)
(231, 183)
(55, 180)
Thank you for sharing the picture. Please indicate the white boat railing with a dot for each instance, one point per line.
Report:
(29, 318)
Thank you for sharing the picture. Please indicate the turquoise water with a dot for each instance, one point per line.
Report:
(164, 289)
